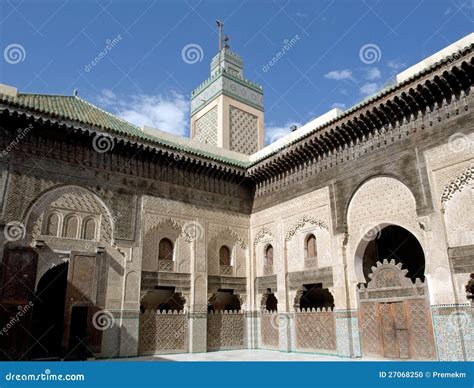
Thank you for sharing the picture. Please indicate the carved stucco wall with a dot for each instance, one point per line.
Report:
(280, 219)
(296, 244)
(80, 201)
(380, 201)
(204, 228)
(264, 235)
(236, 240)
(309, 213)
(459, 217)
(25, 187)
(69, 201)
(157, 228)
(450, 170)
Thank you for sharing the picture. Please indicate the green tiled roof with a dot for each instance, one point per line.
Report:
(76, 109)
(71, 108)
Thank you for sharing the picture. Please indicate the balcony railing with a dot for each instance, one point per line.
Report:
(166, 265)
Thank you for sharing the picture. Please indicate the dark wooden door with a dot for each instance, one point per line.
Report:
(17, 283)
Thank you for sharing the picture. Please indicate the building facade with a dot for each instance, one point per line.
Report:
(353, 236)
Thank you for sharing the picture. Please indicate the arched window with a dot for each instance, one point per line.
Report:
(88, 229)
(224, 256)
(165, 250)
(310, 248)
(71, 226)
(52, 225)
(269, 255)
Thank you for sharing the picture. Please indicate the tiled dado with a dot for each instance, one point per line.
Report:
(347, 333)
(454, 331)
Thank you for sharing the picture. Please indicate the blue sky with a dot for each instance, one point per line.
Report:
(143, 77)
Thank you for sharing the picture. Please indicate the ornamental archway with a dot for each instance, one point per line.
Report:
(394, 308)
(48, 313)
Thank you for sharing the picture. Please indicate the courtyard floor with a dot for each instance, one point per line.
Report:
(243, 355)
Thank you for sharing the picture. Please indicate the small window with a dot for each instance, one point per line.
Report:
(224, 256)
(89, 229)
(165, 250)
(52, 225)
(311, 250)
(269, 255)
(71, 227)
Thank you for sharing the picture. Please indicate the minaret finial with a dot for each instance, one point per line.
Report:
(220, 27)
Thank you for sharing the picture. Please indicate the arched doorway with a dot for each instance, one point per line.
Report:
(48, 313)
(397, 243)
(395, 319)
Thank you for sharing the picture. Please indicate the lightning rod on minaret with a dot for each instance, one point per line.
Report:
(220, 27)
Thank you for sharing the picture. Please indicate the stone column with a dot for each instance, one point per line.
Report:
(197, 315)
(247, 304)
(345, 311)
(284, 308)
(451, 317)
(130, 309)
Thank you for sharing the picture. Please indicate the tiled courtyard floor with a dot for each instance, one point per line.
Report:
(243, 355)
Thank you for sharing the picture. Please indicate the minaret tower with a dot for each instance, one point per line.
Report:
(227, 109)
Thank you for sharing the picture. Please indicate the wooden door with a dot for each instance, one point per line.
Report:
(395, 335)
(82, 291)
(17, 284)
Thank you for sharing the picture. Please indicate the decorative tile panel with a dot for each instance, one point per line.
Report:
(243, 131)
(206, 127)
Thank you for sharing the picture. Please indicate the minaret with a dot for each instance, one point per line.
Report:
(227, 109)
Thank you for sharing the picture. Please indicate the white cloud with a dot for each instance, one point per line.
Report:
(275, 132)
(169, 113)
(107, 97)
(396, 64)
(373, 73)
(339, 75)
(339, 105)
(369, 88)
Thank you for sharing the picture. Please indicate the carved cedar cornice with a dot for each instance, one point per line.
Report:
(417, 102)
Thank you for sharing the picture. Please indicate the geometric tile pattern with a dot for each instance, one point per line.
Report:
(243, 131)
(225, 330)
(370, 332)
(206, 127)
(316, 331)
(269, 330)
(162, 332)
(421, 334)
(347, 329)
(454, 332)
